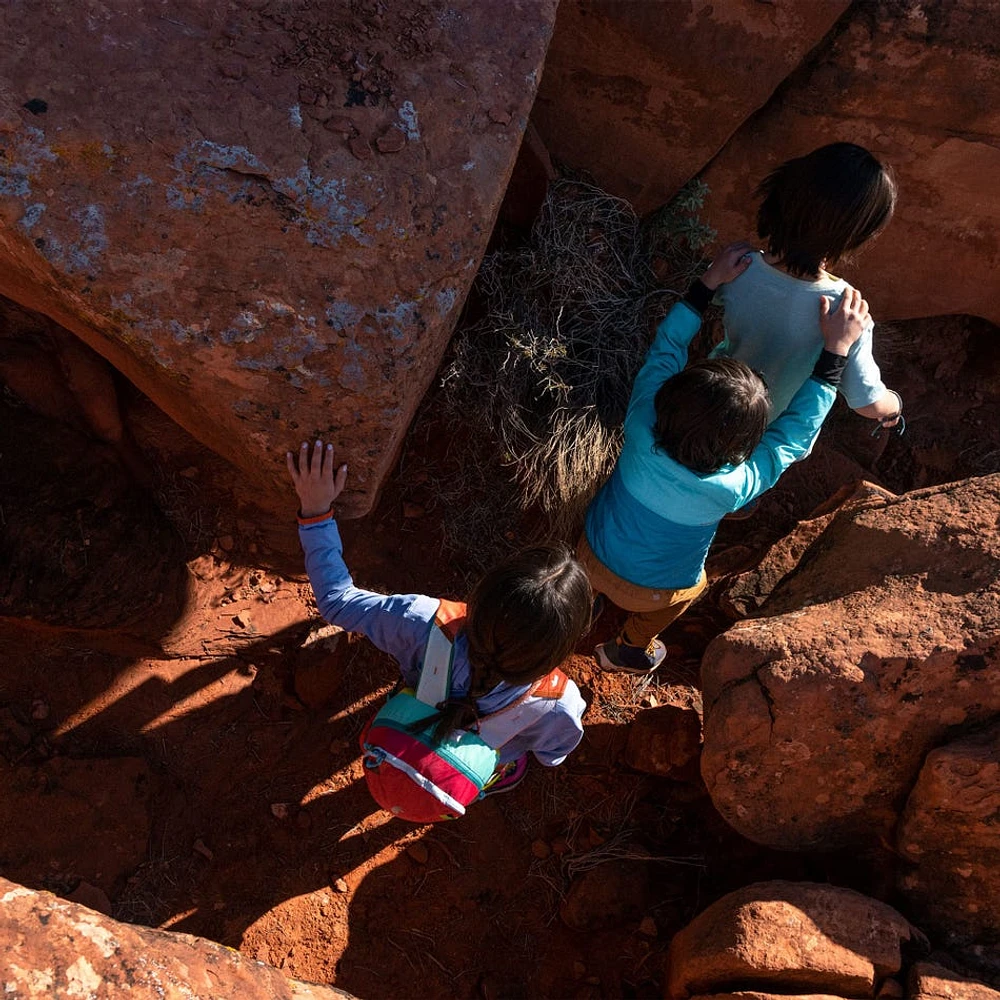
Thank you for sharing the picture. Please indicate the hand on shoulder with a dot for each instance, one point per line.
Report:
(843, 325)
(729, 263)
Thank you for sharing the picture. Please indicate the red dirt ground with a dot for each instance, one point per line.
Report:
(152, 743)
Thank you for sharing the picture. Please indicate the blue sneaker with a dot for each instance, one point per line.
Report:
(617, 657)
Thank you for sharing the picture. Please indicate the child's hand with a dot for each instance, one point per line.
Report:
(314, 479)
(842, 327)
(728, 264)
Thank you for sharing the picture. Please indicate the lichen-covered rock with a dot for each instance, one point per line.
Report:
(819, 712)
(915, 83)
(789, 938)
(56, 949)
(643, 95)
(266, 215)
(950, 833)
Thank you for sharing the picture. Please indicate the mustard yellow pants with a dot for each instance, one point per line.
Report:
(651, 610)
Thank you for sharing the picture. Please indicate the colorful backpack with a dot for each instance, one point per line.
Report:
(424, 780)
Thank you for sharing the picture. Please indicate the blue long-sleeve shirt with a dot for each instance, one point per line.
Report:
(398, 624)
(654, 520)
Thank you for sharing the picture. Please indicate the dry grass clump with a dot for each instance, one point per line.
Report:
(569, 315)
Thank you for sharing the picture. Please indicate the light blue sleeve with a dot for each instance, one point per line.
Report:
(668, 353)
(862, 382)
(787, 440)
(555, 735)
(397, 624)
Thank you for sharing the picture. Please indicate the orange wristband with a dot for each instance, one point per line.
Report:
(328, 516)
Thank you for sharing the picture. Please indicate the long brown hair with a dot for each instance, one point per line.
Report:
(711, 414)
(815, 208)
(524, 618)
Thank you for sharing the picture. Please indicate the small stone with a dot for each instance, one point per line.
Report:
(648, 927)
(341, 124)
(392, 142)
(307, 95)
(500, 116)
(281, 810)
(579, 970)
(340, 885)
(360, 148)
(191, 472)
(39, 710)
(243, 619)
(200, 848)
(411, 509)
(226, 543)
(540, 849)
(418, 851)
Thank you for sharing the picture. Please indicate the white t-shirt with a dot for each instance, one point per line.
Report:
(772, 325)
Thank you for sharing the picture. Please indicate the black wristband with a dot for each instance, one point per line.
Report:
(699, 296)
(830, 368)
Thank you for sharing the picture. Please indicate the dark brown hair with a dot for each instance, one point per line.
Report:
(817, 207)
(711, 414)
(524, 618)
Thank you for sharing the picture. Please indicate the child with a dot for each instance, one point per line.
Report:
(523, 619)
(814, 209)
(697, 446)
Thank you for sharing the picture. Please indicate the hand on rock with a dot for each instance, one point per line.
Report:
(314, 478)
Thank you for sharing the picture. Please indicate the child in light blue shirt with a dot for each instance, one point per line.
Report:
(814, 209)
(697, 446)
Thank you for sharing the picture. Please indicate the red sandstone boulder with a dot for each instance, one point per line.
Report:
(789, 938)
(643, 95)
(266, 216)
(746, 592)
(753, 995)
(929, 981)
(916, 84)
(666, 740)
(950, 832)
(819, 713)
(53, 948)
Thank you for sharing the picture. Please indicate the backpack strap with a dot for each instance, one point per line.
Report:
(450, 617)
(434, 685)
(502, 726)
(552, 685)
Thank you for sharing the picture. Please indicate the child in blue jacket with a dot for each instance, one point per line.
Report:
(523, 619)
(697, 447)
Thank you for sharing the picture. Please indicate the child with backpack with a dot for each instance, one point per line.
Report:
(697, 446)
(814, 209)
(483, 687)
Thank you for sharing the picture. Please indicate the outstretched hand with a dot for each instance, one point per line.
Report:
(314, 478)
(728, 264)
(845, 324)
